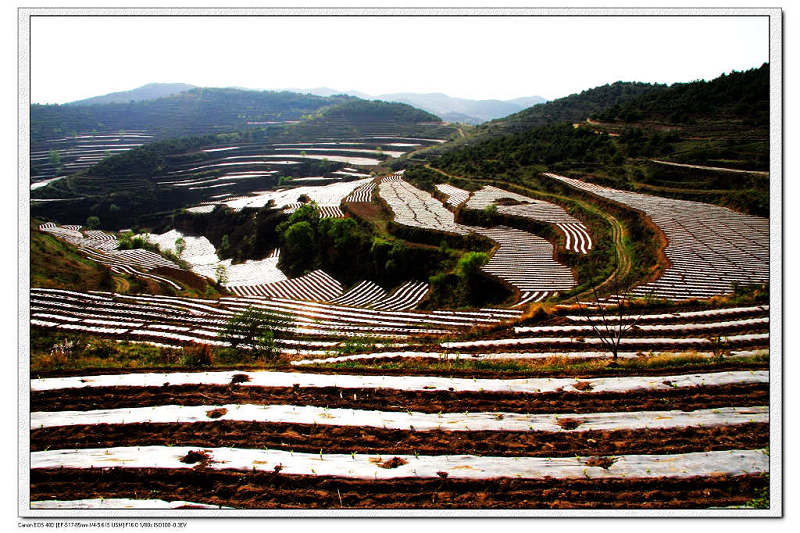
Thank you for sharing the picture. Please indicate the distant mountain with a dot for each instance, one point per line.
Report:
(440, 104)
(327, 91)
(528, 101)
(151, 91)
(449, 108)
(493, 140)
(455, 116)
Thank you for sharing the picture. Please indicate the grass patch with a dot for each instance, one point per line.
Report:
(93, 352)
(549, 365)
(761, 499)
(58, 265)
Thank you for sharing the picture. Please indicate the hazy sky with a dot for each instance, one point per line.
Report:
(470, 57)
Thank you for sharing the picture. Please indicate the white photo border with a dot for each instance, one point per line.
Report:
(775, 16)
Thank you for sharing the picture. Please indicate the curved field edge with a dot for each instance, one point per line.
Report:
(635, 259)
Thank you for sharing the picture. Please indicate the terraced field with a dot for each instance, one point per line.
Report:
(523, 260)
(325, 195)
(238, 175)
(576, 233)
(417, 208)
(260, 277)
(417, 418)
(711, 248)
(183, 320)
(373, 394)
(79, 152)
(323, 438)
(101, 248)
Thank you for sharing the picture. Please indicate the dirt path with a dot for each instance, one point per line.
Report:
(717, 169)
(618, 233)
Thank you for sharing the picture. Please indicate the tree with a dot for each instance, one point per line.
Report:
(221, 274)
(54, 158)
(93, 222)
(613, 320)
(180, 246)
(299, 237)
(490, 214)
(256, 328)
(470, 264)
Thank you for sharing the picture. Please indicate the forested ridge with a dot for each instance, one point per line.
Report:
(738, 95)
(202, 110)
(574, 108)
(722, 122)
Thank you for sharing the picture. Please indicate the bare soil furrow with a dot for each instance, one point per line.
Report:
(369, 440)
(682, 398)
(259, 490)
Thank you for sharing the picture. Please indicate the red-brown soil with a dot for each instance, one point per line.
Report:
(253, 490)
(311, 438)
(186, 277)
(691, 398)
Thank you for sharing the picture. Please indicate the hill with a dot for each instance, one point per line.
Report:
(719, 123)
(68, 138)
(573, 108)
(151, 91)
(147, 183)
(194, 112)
(722, 122)
(740, 96)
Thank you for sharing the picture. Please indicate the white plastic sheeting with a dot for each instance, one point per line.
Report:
(679, 314)
(411, 383)
(119, 503)
(478, 421)
(509, 355)
(324, 195)
(652, 341)
(203, 260)
(702, 326)
(730, 462)
(197, 251)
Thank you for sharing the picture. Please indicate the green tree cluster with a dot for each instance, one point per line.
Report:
(352, 251)
(255, 329)
(466, 285)
(744, 95)
(546, 145)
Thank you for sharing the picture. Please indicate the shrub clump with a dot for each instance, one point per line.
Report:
(255, 330)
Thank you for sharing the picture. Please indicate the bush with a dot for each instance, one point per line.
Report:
(197, 355)
(471, 263)
(359, 344)
(101, 349)
(256, 329)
